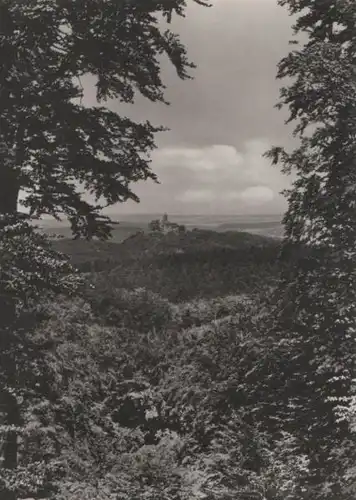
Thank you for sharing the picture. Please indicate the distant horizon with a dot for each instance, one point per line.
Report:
(177, 214)
(197, 214)
(189, 220)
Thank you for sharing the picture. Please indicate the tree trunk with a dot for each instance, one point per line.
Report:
(9, 191)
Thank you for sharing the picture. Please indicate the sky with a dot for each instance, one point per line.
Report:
(222, 121)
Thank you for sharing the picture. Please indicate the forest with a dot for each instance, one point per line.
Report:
(154, 395)
(180, 365)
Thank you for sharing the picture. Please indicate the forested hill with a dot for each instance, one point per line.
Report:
(180, 267)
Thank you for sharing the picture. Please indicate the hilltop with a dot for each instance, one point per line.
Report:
(128, 225)
(194, 264)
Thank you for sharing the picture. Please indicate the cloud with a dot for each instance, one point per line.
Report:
(213, 179)
(196, 195)
(204, 160)
(257, 195)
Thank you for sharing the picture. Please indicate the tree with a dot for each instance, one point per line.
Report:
(316, 314)
(30, 271)
(51, 143)
(51, 146)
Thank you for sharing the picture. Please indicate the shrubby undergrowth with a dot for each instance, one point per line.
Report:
(163, 411)
(122, 394)
(125, 395)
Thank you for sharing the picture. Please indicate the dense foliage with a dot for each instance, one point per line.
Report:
(124, 394)
(154, 414)
(30, 271)
(315, 315)
(181, 267)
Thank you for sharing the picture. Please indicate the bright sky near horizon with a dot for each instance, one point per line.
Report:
(222, 121)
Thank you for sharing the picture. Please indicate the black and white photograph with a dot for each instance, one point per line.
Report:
(178, 249)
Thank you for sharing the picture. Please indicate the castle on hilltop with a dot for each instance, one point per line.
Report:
(164, 226)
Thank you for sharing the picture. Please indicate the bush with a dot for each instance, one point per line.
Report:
(200, 312)
(139, 309)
